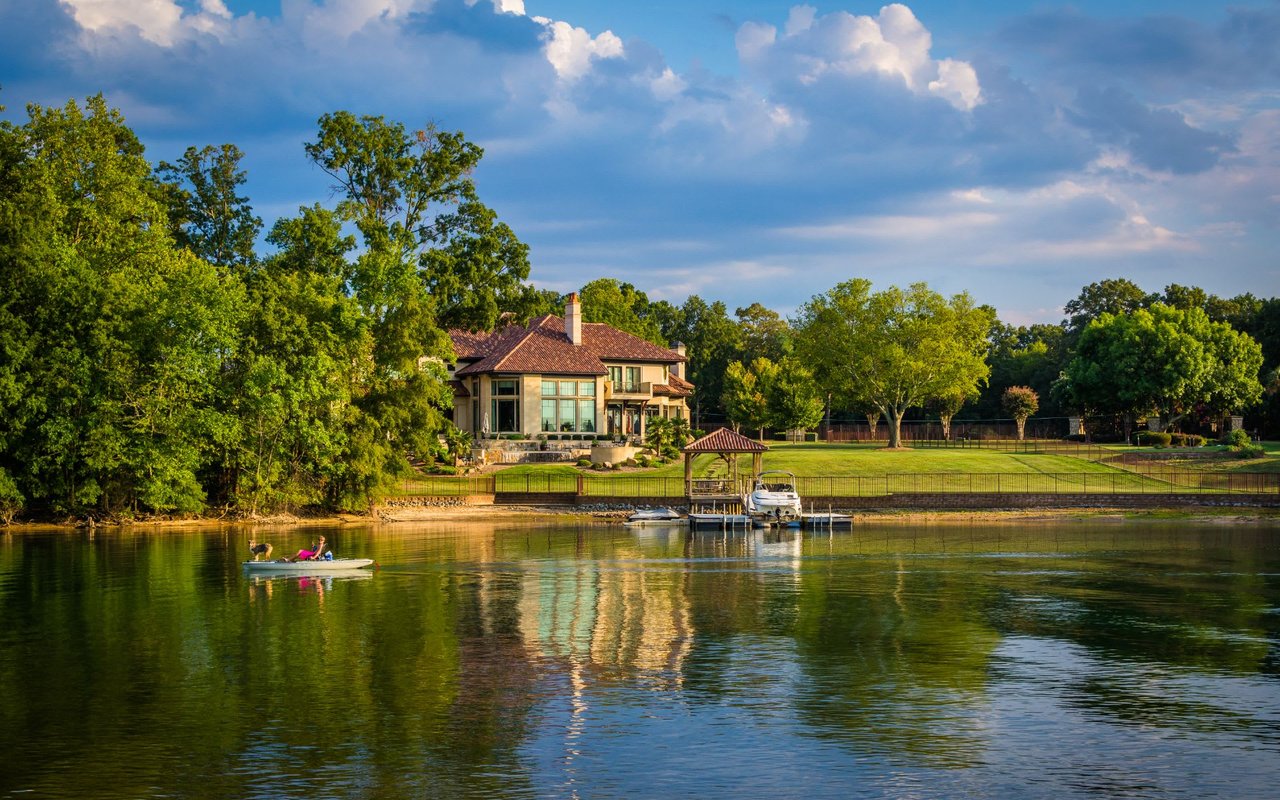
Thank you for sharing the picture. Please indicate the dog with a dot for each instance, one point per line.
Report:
(260, 550)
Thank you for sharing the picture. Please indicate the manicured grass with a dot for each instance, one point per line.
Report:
(837, 460)
(861, 469)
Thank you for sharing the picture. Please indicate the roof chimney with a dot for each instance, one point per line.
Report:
(573, 319)
(677, 369)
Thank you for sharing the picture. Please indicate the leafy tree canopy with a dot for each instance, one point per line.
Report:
(895, 349)
(621, 305)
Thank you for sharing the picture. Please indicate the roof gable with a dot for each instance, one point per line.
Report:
(725, 440)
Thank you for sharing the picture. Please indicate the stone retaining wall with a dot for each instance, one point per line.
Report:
(992, 500)
(900, 501)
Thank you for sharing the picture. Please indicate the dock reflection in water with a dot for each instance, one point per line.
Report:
(1082, 659)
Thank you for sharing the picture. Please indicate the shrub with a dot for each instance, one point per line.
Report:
(1154, 438)
(1249, 451)
(1178, 439)
(1235, 439)
(584, 462)
(444, 469)
(1194, 440)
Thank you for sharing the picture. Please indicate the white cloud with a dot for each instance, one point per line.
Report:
(157, 21)
(571, 50)
(894, 44)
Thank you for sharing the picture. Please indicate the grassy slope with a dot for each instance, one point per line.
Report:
(869, 469)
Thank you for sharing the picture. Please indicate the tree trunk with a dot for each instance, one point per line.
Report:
(946, 426)
(872, 421)
(1022, 426)
(895, 427)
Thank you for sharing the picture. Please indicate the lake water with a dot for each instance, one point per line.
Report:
(1085, 659)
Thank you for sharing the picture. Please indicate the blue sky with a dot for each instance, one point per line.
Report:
(745, 151)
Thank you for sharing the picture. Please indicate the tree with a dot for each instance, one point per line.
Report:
(1032, 355)
(1112, 296)
(747, 392)
(895, 349)
(1020, 402)
(206, 215)
(476, 269)
(1162, 360)
(948, 405)
(793, 400)
(108, 401)
(621, 305)
(410, 197)
(713, 341)
(765, 334)
(666, 435)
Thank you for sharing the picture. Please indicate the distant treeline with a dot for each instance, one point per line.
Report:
(153, 361)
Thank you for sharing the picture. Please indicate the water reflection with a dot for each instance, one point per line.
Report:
(543, 660)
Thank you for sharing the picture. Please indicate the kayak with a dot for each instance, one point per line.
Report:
(308, 567)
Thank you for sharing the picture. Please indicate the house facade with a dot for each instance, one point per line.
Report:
(564, 376)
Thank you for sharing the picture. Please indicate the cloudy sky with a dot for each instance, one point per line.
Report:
(745, 150)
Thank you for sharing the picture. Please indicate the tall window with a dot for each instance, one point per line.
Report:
(569, 405)
(625, 379)
(505, 406)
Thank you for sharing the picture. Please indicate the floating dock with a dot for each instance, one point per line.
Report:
(717, 522)
(828, 521)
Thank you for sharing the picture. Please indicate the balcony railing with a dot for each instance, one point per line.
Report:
(625, 389)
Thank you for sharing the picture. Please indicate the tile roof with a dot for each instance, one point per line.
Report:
(725, 440)
(674, 387)
(542, 347)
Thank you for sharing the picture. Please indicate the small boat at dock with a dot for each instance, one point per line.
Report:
(655, 516)
(773, 498)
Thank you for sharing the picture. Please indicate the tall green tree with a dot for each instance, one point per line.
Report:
(895, 349)
(1023, 355)
(206, 212)
(305, 359)
(747, 392)
(621, 305)
(1111, 296)
(765, 334)
(409, 196)
(713, 341)
(1162, 360)
(124, 334)
(794, 401)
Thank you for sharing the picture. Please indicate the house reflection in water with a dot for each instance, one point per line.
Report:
(617, 620)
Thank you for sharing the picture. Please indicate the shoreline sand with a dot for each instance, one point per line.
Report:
(400, 515)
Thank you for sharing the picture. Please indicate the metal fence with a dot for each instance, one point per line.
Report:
(1154, 481)
(969, 430)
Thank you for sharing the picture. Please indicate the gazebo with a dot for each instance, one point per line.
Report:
(728, 445)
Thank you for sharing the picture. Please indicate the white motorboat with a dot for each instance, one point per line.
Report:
(320, 567)
(773, 498)
(655, 516)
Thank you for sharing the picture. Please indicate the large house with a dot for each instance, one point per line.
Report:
(564, 376)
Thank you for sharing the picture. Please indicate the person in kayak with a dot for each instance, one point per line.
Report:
(314, 554)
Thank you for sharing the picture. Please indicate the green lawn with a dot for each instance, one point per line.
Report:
(864, 469)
